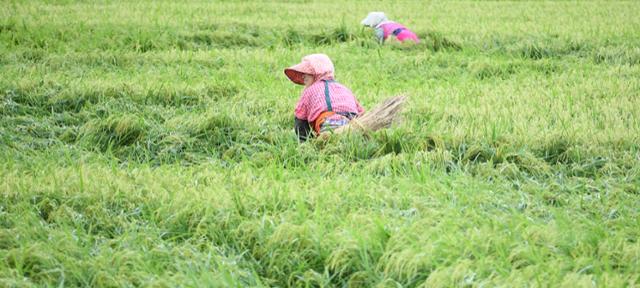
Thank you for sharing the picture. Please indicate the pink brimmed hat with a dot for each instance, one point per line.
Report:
(317, 65)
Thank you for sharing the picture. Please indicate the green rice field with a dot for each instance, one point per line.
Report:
(151, 144)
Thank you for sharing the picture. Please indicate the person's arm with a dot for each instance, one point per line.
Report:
(301, 124)
(303, 129)
(380, 35)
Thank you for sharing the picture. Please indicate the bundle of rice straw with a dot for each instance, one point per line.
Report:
(381, 116)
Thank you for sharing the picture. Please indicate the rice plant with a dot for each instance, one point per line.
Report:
(151, 143)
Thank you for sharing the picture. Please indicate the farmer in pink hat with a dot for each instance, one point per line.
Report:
(385, 28)
(324, 104)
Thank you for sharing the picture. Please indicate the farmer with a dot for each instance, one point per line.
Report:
(324, 104)
(385, 28)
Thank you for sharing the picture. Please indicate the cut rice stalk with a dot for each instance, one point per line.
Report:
(381, 116)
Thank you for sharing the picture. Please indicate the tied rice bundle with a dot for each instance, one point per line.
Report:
(381, 116)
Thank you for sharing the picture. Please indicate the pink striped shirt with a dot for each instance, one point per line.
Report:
(312, 102)
(389, 26)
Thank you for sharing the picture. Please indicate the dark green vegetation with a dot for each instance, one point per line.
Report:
(151, 144)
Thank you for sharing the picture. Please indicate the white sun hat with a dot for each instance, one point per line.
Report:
(373, 19)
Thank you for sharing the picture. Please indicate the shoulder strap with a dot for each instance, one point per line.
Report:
(326, 95)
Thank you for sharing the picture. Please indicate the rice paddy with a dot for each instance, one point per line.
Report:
(151, 143)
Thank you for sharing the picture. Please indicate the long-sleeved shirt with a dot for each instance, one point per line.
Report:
(312, 101)
(388, 28)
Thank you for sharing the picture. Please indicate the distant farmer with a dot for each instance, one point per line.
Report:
(324, 104)
(385, 28)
